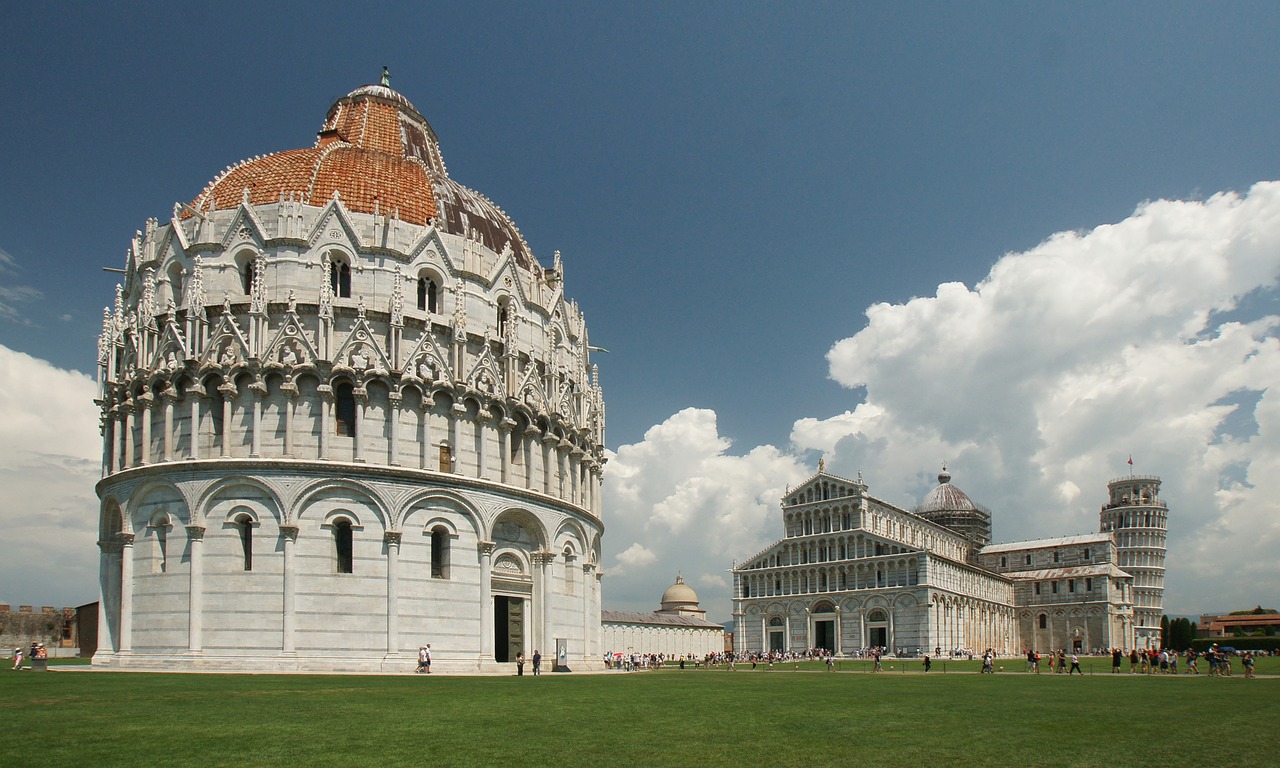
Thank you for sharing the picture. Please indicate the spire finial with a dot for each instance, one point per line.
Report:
(386, 77)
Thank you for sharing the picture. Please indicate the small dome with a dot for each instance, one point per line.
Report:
(679, 595)
(945, 498)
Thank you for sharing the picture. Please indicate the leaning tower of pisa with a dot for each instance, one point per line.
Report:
(1139, 522)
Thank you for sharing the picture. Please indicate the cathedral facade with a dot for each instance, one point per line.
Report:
(853, 572)
(346, 412)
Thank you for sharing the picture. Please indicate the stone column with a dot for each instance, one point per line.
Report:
(548, 440)
(504, 447)
(145, 400)
(126, 593)
(289, 532)
(528, 436)
(574, 460)
(839, 649)
(588, 634)
(393, 413)
(361, 396)
(428, 402)
(562, 468)
(290, 392)
(228, 390)
(195, 393)
(482, 447)
(116, 420)
(195, 534)
(126, 409)
(392, 539)
(455, 414)
(169, 395)
(544, 560)
(326, 418)
(486, 599)
(257, 389)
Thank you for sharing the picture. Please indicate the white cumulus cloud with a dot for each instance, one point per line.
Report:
(50, 458)
(1143, 337)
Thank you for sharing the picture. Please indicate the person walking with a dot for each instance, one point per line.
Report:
(537, 662)
(520, 664)
(1117, 656)
(927, 664)
(17, 659)
(1075, 665)
(424, 660)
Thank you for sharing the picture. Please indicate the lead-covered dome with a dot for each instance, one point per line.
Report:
(949, 506)
(679, 596)
(378, 154)
(945, 498)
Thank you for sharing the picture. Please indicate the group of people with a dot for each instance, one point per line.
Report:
(537, 663)
(37, 651)
(1057, 662)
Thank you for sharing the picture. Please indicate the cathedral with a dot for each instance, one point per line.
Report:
(854, 572)
(346, 412)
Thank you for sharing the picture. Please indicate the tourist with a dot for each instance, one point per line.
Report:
(875, 656)
(1173, 662)
(1191, 662)
(1247, 661)
(1117, 657)
(927, 663)
(1075, 665)
(17, 659)
(520, 664)
(537, 662)
(427, 656)
(424, 660)
(1133, 660)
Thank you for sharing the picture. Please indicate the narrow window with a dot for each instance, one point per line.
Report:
(503, 313)
(246, 277)
(340, 279)
(244, 526)
(1055, 587)
(428, 295)
(1086, 553)
(1055, 555)
(345, 410)
(1071, 585)
(1028, 559)
(1044, 621)
(342, 545)
(1088, 585)
(446, 458)
(1004, 562)
(1037, 587)
(439, 553)
(162, 547)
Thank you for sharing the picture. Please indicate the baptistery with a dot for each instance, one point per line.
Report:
(346, 413)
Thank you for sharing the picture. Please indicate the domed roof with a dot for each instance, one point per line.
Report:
(945, 498)
(379, 155)
(679, 594)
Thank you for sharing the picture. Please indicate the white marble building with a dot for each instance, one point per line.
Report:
(679, 628)
(854, 572)
(345, 412)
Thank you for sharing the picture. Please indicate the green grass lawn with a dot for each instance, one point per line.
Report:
(710, 717)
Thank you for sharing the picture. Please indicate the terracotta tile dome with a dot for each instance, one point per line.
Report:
(379, 154)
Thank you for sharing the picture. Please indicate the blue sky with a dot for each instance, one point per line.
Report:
(732, 187)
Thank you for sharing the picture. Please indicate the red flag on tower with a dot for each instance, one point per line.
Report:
(1131, 459)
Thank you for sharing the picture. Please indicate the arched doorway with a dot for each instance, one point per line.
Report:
(877, 629)
(824, 626)
(777, 635)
